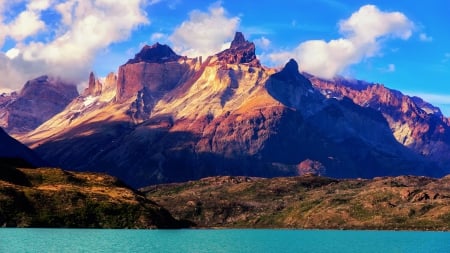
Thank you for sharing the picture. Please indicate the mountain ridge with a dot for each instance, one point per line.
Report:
(225, 115)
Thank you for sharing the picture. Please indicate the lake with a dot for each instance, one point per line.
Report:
(221, 240)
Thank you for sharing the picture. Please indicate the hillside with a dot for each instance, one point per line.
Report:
(14, 153)
(310, 202)
(49, 197)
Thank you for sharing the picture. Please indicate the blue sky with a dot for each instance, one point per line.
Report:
(404, 45)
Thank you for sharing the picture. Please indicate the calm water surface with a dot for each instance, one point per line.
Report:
(233, 240)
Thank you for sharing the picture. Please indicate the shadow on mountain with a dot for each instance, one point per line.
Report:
(150, 153)
(10, 173)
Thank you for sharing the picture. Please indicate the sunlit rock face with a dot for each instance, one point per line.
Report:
(39, 100)
(173, 118)
(240, 51)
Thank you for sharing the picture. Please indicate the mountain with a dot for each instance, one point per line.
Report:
(50, 197)
(414, 123)
(171, 118)
(39, 100)
(15, 153)
(309, 202)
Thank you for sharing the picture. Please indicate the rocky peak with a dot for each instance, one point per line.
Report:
(238, 40)
(240, 51)
(39, 100)
(94, 87)
(156, 53)
(290, 74)
(44, 86)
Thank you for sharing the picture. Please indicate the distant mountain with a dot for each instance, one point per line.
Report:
(414, 123)
(309, 202)
(39, 100)
(168, 118)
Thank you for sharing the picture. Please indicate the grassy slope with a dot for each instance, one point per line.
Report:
(310, 202)
(48, 197)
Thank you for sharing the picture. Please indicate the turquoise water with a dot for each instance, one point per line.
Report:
(233, 240)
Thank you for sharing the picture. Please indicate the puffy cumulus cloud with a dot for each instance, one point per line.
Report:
(28, 23)
(85, 28)
(362, 36)
(205, 33)
(25, 24)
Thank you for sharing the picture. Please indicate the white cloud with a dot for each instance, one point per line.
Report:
(25, 24)
(362, 34)
(86, 27)
(263, 42)
(424, 37)
(205, 33)
(38, 5)
(12, 53)
(158, 37)
(28, 23)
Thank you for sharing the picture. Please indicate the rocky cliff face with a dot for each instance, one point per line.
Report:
(94, 86)
(38, 101)
(241, 51)
(413, 122)
(176, 119)
(156, 69)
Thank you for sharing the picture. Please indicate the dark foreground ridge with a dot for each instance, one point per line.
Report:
(47, 197)
(310, 202)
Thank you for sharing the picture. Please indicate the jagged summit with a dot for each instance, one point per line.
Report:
(157, 53)
(240, 51)
(238, 40)
(94, 87)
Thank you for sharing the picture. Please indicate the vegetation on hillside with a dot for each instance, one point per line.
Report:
(404, 202)
(49, 197)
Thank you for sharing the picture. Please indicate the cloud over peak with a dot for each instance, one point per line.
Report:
(83, 28)
(205, 33)
(361, 38)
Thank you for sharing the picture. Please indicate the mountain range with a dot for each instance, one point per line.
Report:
(169, 118)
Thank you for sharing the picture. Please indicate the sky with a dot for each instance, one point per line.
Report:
(404, 45)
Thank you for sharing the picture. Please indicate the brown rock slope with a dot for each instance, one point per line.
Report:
(39, 100)
(48, 197)
(172, 118)
(404, 202)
